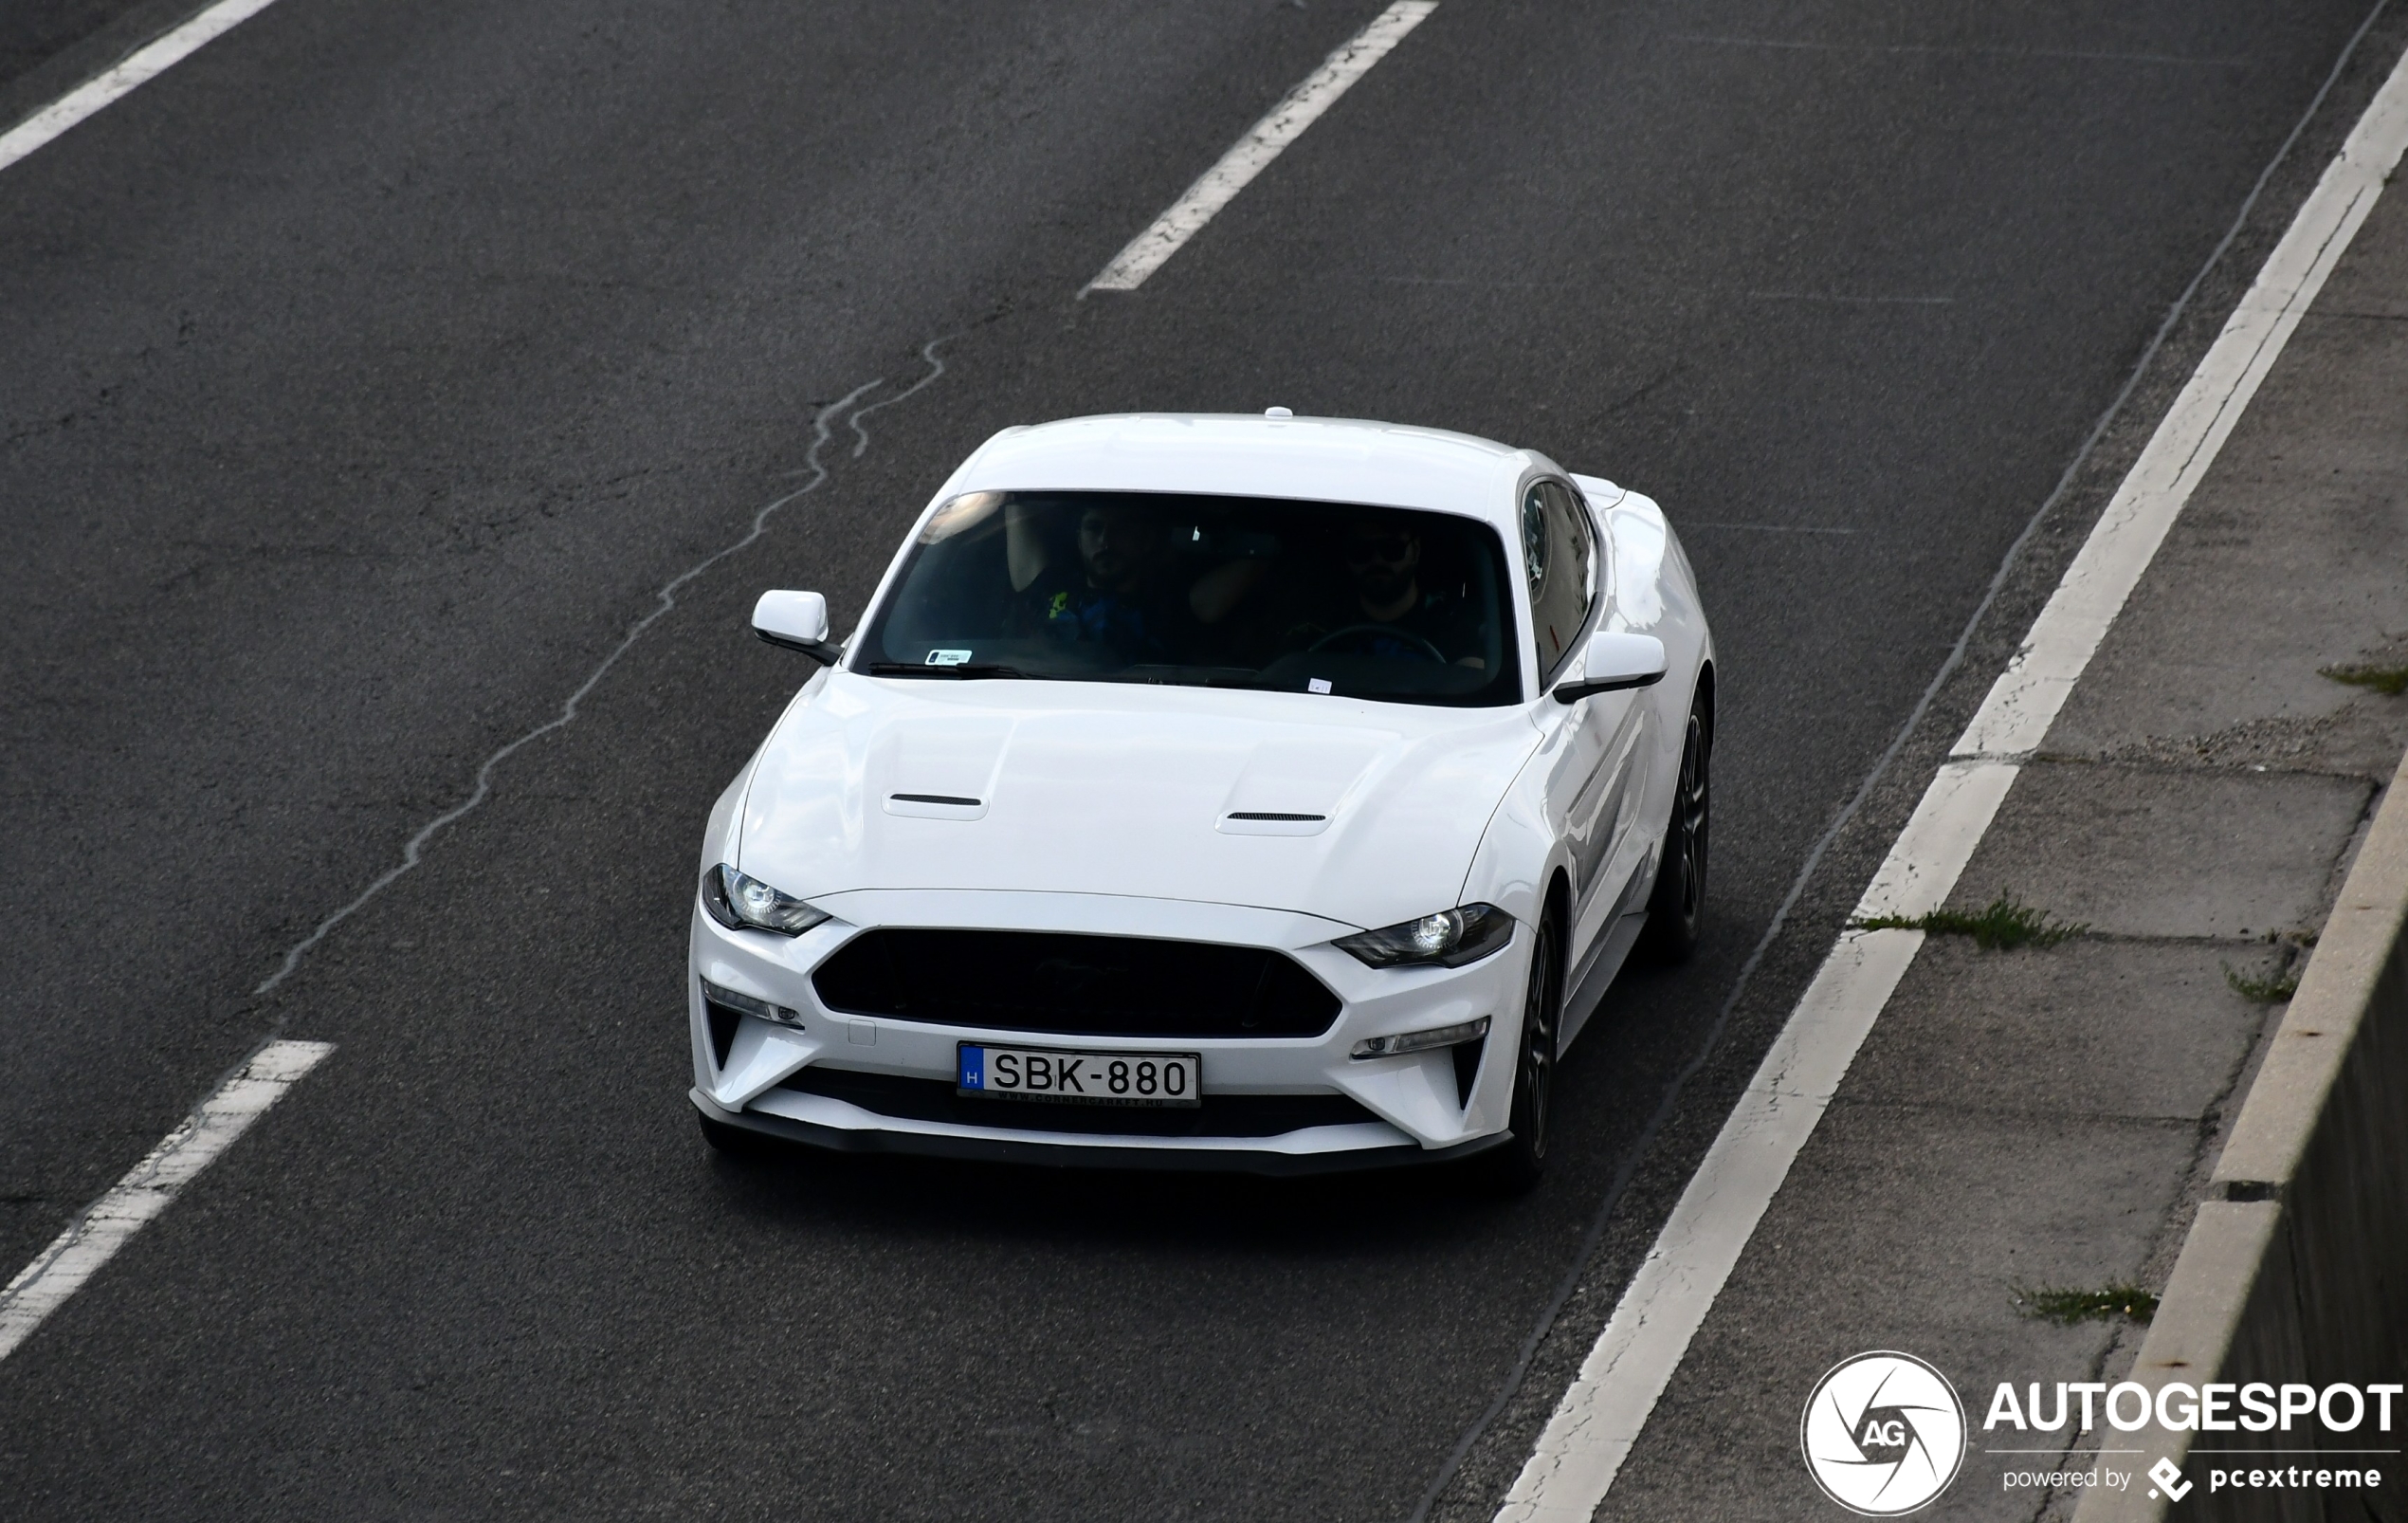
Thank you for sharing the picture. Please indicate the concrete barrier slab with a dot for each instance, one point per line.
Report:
(2094, 1028)
(2136, 851)
(2373, 281)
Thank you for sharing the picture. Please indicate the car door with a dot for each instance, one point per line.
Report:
(1592, 744)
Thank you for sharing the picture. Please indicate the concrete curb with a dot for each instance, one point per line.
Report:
(2297, 1267)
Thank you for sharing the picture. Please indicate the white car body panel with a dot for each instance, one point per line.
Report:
(1130, 794)
(1104, 809)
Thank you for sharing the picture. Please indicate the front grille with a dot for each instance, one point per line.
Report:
(1074, 985)
(1220, 1115)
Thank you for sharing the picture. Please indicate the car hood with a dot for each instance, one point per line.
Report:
(1071, 787)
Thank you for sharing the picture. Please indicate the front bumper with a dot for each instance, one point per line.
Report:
(1405, 1109)
(1054, 1152)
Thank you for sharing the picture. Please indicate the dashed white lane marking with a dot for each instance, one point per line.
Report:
(144, 65)
(77, 1254)
(1261, 143)
(1600, 1417)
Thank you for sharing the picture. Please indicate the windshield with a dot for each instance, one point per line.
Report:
(1216, 592)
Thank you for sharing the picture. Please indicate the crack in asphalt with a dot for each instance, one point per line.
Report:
(413, 851)
(936, 368)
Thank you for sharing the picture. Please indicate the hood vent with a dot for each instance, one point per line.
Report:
(936, 806)
(1272, 822)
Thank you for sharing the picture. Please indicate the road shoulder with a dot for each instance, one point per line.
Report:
(2045, 1118)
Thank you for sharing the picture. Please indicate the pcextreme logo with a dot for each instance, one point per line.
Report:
(2168, 1477)
(1883, 1434)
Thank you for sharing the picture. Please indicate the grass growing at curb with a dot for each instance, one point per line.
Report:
(2389, 681)
(2104, 1304)
(1999, 926)
(2267, 991)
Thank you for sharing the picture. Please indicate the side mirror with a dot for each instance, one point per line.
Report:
(1611, 663)
(797, 622)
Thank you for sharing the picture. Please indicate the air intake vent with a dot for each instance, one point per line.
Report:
(1257, 813)
(723, 1020)
(1074, 985)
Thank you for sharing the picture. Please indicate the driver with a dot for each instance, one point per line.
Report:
(1383, 568)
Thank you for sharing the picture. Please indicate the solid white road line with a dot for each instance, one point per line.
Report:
(77, 1253)
(1599, 1419)
(1261, 144)
(2029, 693)
(144, 64)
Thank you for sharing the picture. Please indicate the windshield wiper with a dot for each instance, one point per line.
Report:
(968, 669)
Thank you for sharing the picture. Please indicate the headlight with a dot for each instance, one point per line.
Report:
(1448, 939)
(743, 903)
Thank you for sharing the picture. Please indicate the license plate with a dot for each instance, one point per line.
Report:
(1079, 1079)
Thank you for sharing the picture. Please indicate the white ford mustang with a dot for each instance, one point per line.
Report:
(1269, 794)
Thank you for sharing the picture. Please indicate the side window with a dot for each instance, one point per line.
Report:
(1559, 558)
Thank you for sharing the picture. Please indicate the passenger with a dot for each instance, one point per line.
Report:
(1113, 597)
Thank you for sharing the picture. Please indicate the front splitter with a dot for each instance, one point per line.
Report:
(1087, 1155)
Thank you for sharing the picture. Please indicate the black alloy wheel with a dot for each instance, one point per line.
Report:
(1516, 1164)
(1677, 907)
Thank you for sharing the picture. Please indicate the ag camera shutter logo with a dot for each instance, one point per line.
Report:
(1883, 1434)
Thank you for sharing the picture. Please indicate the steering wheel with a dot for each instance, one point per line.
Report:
(1385, 631)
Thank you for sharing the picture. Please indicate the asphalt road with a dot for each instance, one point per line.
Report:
(367, 374)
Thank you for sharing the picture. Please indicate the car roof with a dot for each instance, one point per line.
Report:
(1329, 460)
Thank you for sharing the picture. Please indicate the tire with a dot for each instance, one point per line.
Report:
(1521, 1161)
(1676, 908)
